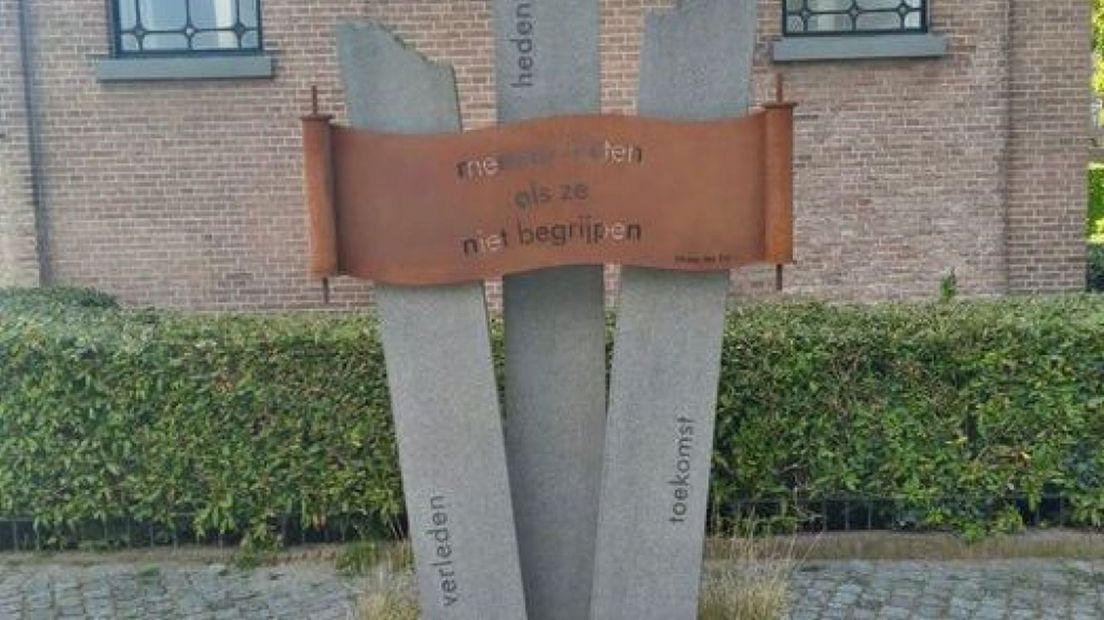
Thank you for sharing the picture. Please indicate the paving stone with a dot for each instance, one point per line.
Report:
(952, 590)
(894, 613)
(180, 593)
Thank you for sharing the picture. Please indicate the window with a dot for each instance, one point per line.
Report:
(837, 17)
(825, 30)
(163, 27)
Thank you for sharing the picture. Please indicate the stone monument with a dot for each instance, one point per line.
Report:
(565, 512)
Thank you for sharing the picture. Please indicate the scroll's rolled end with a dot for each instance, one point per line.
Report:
(779, 181)
(318, 177)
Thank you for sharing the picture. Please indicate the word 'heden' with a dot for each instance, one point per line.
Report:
(523, 42)
(584, 230)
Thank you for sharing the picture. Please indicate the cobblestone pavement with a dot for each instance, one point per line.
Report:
(298, 591)
(985, 590)
(821, 590)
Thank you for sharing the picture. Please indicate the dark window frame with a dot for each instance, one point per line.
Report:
(117, 33)
(853, 12)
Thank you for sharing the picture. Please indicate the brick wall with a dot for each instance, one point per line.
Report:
(188, 194)
(179, 193)
(900, 167)
(1050, 134)
(18, 254)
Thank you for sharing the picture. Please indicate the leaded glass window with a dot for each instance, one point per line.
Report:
(811, 17)
(184, 26)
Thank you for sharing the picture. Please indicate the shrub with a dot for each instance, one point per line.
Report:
(57, 298)
(947, 408)
(234, 421)
(1095, 272)
(238, 420)
(1095, 221)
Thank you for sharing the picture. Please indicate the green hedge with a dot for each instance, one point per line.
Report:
(938, 405)
(236, 420)
(1095, 278)
(53, 300)
(1095, 220)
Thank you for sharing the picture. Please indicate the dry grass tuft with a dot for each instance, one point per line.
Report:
(389, 604)
(392, 595)
(368, 556)
(751, 584)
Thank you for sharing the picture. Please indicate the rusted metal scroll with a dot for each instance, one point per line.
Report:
(318, 184)
(647, 192)
(779, 183)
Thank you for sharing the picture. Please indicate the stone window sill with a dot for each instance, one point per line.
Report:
(183, 68)
(856, 47)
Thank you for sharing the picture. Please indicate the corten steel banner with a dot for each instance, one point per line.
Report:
(683, 195)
